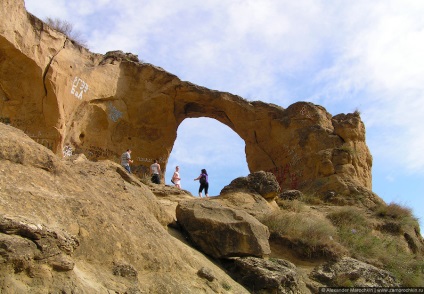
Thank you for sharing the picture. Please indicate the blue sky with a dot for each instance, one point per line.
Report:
(343, 55)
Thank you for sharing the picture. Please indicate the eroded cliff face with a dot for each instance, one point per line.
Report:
(58, 92)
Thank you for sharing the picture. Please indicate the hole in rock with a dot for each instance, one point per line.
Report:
(209, 144)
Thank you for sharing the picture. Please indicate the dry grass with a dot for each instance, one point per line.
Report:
(313, 236)
(67, 29)
(291, 205)
(351, 217)
(356, 232)
(357, 112)
(146, 179)
(347, 148)
(394, 211)
(312, 199)
(397, 218)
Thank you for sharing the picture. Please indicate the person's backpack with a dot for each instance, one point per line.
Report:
(202, 180)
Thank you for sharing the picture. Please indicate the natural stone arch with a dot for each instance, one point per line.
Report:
(104, 104)
(207, 143)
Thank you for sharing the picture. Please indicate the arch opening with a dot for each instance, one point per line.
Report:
(209, 144)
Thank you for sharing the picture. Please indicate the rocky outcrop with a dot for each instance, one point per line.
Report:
(262, 183)
(267, 276)
(76, 226)
(290, 195)
(221, 231)
(73, 225)
(254, 194)
(58, 92)
(353, 273)
(252, 203)
(26, 245)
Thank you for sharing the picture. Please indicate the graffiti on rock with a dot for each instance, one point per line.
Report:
(78, 89)
(114, 114)
(67, 151)
(98, 152)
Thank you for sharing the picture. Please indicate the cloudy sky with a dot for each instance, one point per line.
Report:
(344, 55)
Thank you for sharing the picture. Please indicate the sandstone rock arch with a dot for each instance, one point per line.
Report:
(104, 104)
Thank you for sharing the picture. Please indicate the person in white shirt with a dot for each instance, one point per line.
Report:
(176, 177)
(126, 160)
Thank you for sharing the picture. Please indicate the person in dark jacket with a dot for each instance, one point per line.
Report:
(204, 183)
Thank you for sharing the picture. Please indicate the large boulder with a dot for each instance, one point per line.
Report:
(290, 195)
(351, 272)
(262, 183)
(221, 231)
(254, 204)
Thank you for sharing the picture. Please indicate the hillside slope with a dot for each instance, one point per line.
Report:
(84, 227)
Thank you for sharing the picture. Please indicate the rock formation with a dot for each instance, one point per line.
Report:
(59, 93)
(354, 272)
(82, 224)
(77, 226)
(71, 225)
(261, 183)
(267, 276)
(222, 231)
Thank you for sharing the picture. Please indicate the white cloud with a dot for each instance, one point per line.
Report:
(380, 66)
(47, 8)
(202, 139)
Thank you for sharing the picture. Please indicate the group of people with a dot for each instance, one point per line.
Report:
(155, 172)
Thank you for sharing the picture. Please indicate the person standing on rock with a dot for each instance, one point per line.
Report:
(204, 183)
(126, 160)
(155, 172)
(176, 177)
